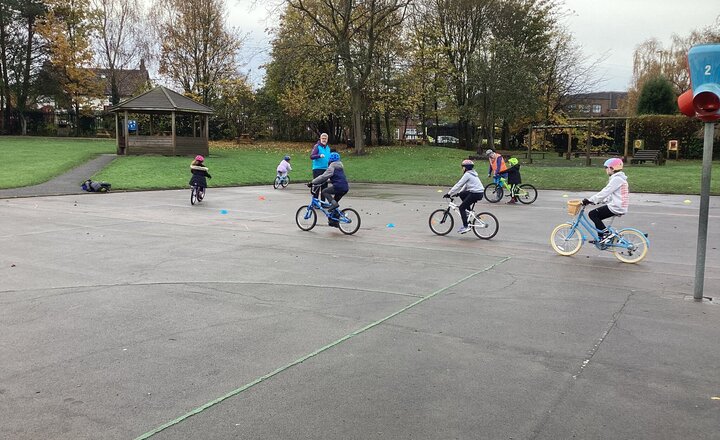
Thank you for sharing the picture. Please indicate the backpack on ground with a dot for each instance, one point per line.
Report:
(93, 186)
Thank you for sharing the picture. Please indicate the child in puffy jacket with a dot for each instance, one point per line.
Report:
(615, 195)
(284, 167)
(199, 172)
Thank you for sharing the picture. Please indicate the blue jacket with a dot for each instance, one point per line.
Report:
(320, 163)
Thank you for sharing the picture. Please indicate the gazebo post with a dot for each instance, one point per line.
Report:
(194, 126)
(126, 133)
(207, 130)
(151, 129)
(173, 134)
(117, 134)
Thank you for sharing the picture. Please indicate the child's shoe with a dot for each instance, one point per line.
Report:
(464, 229)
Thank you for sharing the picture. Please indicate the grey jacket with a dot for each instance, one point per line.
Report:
(468, 182)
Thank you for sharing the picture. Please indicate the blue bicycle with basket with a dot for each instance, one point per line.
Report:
(628, 244)
(348, 220)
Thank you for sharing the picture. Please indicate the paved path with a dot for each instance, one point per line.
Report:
(65, 184)
(125, 311)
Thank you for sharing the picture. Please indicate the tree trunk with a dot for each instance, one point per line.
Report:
(356, 102)
(3, 70)
(23, 124)
(378, 128)
(387, 127)
(505, 135)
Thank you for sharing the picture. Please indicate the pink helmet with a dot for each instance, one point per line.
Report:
(199, 158)
(614, 163)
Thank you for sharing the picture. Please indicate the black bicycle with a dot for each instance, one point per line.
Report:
(197, 194)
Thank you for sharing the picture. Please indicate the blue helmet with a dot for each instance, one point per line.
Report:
(286, 158)
(334, 157)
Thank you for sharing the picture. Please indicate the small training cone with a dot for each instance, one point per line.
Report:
(223, 211)
(391, 225)
(687, 202)
(261, 198)
(565, 196)
(439, 190)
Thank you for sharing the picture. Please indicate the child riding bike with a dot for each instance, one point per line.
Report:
(284, 167)
(335, 173)
(514, 179)
(469, 189)
(616, 195)
(199, 173)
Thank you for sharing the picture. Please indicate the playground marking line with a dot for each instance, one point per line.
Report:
(237, 391)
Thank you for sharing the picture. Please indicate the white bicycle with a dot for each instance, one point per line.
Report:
(483, 224)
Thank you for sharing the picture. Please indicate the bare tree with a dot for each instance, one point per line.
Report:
(463, 26)
(354, 28)
(119, 41)
(197, 49)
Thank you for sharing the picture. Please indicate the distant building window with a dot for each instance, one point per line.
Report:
(103, 76)
(596, 108)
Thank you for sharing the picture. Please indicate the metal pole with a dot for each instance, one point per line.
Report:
(569, 149)
(627, 139)
(704, 210)
(529, 144)
(588, 162)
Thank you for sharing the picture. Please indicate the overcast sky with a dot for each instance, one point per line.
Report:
(602, 27)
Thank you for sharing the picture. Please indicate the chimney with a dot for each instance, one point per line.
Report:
(142, 64)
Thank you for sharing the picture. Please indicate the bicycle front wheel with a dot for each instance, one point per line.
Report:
(630, 246)
(565, 239)
(493, 193)
(485, 225)
(193, 195)
(527, 194)
(349, 223)
(277, 182)
(285, 182)
(306, 218)
(441, 221)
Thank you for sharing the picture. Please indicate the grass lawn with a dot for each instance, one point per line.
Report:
(255, 165)
(35, 159)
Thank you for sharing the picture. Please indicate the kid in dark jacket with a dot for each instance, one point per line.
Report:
(335, 174)
(199, 172)
(513, 179)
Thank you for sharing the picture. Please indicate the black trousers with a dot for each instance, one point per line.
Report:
(597, 215)
(318, 172)
(468, 198)
(332, 195)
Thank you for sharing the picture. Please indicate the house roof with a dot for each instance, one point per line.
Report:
(162, 99)
(129, 81)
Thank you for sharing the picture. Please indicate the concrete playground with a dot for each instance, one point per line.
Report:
(137, 315)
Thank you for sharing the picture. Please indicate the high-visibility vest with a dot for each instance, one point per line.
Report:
(498, 165)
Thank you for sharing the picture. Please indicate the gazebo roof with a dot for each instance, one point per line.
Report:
(162, 99)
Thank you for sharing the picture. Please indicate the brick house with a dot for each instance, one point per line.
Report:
(596, 104)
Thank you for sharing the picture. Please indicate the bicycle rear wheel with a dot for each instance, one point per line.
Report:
(630, 246)
(276, 182)
(485, 225)
(565, 239)
(441, 221)
(193, 195)
(349, 223)
(527, 194)
(200, 194)
(285, 182)
(493, 193)
(306, 217)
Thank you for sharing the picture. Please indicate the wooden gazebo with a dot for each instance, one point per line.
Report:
(162, 101)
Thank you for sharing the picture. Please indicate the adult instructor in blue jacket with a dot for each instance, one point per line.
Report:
(319, 155)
